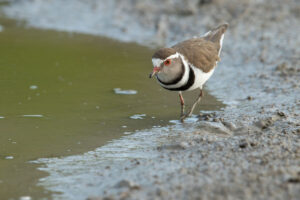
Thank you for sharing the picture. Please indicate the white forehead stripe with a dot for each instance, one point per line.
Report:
(176, 55)
(157, 61)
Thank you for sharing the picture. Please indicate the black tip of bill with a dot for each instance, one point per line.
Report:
(150, 75)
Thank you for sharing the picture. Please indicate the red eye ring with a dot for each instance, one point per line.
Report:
(167, 62)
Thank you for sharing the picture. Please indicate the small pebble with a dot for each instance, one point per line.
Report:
(249, 98)
(128, 184)
(281, 114)
(243, 145)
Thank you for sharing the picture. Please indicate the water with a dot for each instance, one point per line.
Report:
(58, 98)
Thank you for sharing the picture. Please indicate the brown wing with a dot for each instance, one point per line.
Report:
(201, 53)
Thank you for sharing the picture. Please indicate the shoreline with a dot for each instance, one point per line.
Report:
(249, 150)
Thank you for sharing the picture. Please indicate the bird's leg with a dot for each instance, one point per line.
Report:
(182, 104)
(195, 103)
(193, 107)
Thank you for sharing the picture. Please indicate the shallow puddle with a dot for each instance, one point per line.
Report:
(64, 94)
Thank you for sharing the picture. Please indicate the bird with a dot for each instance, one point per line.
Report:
(189, 64)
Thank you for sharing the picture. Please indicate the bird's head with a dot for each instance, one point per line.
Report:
(167, 64)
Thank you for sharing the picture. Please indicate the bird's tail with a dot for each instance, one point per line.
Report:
(215, 35)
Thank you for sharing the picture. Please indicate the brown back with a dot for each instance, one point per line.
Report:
(203, 52)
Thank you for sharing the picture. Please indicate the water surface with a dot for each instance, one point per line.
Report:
(58, 98)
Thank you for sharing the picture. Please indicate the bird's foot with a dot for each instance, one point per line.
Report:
(184, 116)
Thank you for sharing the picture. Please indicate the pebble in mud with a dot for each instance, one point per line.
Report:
(160, 192)
(265, 123)
(249, 98)
(207, 116)
(127, 184)
(101, 198)
(231, 126)
(243, 144)
(179, 146)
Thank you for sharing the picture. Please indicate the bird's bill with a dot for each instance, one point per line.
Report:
(155, 71)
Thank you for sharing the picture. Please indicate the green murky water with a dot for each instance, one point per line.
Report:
(57, 99)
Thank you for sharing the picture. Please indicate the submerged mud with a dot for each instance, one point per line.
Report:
(249, 150)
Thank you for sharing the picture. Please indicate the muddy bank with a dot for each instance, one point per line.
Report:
(249, 150)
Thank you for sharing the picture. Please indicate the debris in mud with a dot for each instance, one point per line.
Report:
(127, 184)
(243, 144)
(207, 116)
(160, 192)
(178, 146)
(135, 161)
(229, 125)
(249, 98)
(202, 2)
(101, 198)
(265, 123)
(281, 114)
(294, 180)
(285, 70)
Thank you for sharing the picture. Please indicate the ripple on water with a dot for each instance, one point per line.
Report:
(9, 157)
(33, 116)
(33, 87)
(25, 198)
(128, 92)
(138, 116)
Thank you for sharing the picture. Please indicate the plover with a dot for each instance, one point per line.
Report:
(189, 64)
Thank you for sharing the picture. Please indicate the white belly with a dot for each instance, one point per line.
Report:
(200, 78)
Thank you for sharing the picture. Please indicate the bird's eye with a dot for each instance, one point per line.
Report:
(167, 62)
